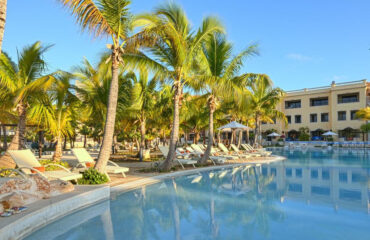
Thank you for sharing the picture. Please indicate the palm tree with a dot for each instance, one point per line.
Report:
(56, 111)
(22, 83)
(106, 18)
(2, 21)
(143, 101)
(85, 131)
(263, 98)
(177, 47)
(220, 76)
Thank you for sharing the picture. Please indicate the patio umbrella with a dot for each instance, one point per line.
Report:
(274, 134)
(233, 126)
(330, 133)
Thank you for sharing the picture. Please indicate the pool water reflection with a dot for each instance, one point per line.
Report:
(312, 195)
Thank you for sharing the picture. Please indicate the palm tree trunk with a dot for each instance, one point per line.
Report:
(2, 21)
(248, 135)
(58, 149)
(5, 138)
(256, 130)
(166, 165)
(17, 142)
(106, 147)
(218, 137)
(142, 140)
(240, 138)
(85, 140)
(210, 134)
(41, 142)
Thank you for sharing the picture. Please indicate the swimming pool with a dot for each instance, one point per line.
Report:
(314, 194)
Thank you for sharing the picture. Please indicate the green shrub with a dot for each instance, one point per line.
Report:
(7, 173)
(92, 177)
(52, 167)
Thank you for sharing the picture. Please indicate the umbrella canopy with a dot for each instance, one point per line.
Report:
(329, 133)
(274, 134)
(233, 125)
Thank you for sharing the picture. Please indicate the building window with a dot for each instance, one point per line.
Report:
(319, 101)
(313, 117)
(348, 98)
(353, 114)
(314, 174)
(293, 104)
(324, 117)
(289, 119)
(298, 173)
(298, 118)
(342, 177)
(288, 172)
(325, 175)
(341, 115)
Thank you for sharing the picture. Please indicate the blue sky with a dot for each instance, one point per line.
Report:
(305, 43)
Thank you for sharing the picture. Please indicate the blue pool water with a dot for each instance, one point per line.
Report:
(312, 195)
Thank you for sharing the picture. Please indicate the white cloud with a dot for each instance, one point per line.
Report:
(298, 57)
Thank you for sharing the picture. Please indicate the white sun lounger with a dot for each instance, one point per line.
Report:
(260, 151)
(164, 150)
(245, 154)
(26, 161)
(83, 157)
(214, 159)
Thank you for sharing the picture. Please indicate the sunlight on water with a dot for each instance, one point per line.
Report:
(312, 195)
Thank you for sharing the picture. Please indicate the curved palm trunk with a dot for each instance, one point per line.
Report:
(5, 138)
(2, 21)
(166, 165)
(41, 142)
(58, 149)
(142, 140)
(17, 142)
(240, 137)
(106, 147)
(210, 134)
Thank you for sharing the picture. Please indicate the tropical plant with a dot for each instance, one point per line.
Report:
(304, 134)
(363, 114)
(92, 177)
(219, 77)
(22, 84)
(56, 111)
(177, 48)
(144, 96)
(262, 98)
(106, 18)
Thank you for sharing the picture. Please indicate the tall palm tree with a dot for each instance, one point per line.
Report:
(263, 98)
(56, 111)
(220, 78)
(177, 47)
(143, 101)
(22, 83)
(109, 18)
(3, 4)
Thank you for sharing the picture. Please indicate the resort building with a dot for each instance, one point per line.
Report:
(322, 109)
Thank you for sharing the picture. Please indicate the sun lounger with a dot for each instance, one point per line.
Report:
(164, 150)
(227, 152)
(260, 151)
(247, 154)
(26, 161)
(84, 157)
(214, 159)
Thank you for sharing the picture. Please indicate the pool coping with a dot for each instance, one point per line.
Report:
(44, 212)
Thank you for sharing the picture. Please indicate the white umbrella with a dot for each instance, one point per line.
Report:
(274, 134)
(330, 133)
(233, 125)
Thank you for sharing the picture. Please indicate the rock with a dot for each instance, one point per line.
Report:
(19, 192)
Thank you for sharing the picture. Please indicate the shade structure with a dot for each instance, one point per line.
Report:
(274, 134)
(330, 133)
(233, 125)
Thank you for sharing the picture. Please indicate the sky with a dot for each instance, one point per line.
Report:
(302, 44)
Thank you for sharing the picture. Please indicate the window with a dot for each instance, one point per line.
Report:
(348, 98)
(293, 104)
(288, 172)
(313, 117)
(319, 101)
(353, 114)
(289, 118)
(342, 177)
(341, 115)
(314, 174)
(298, 118)
(324, 117)
(350, 195)
(295, 187)
(325, 175)
(298, 173)
(320, 190)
